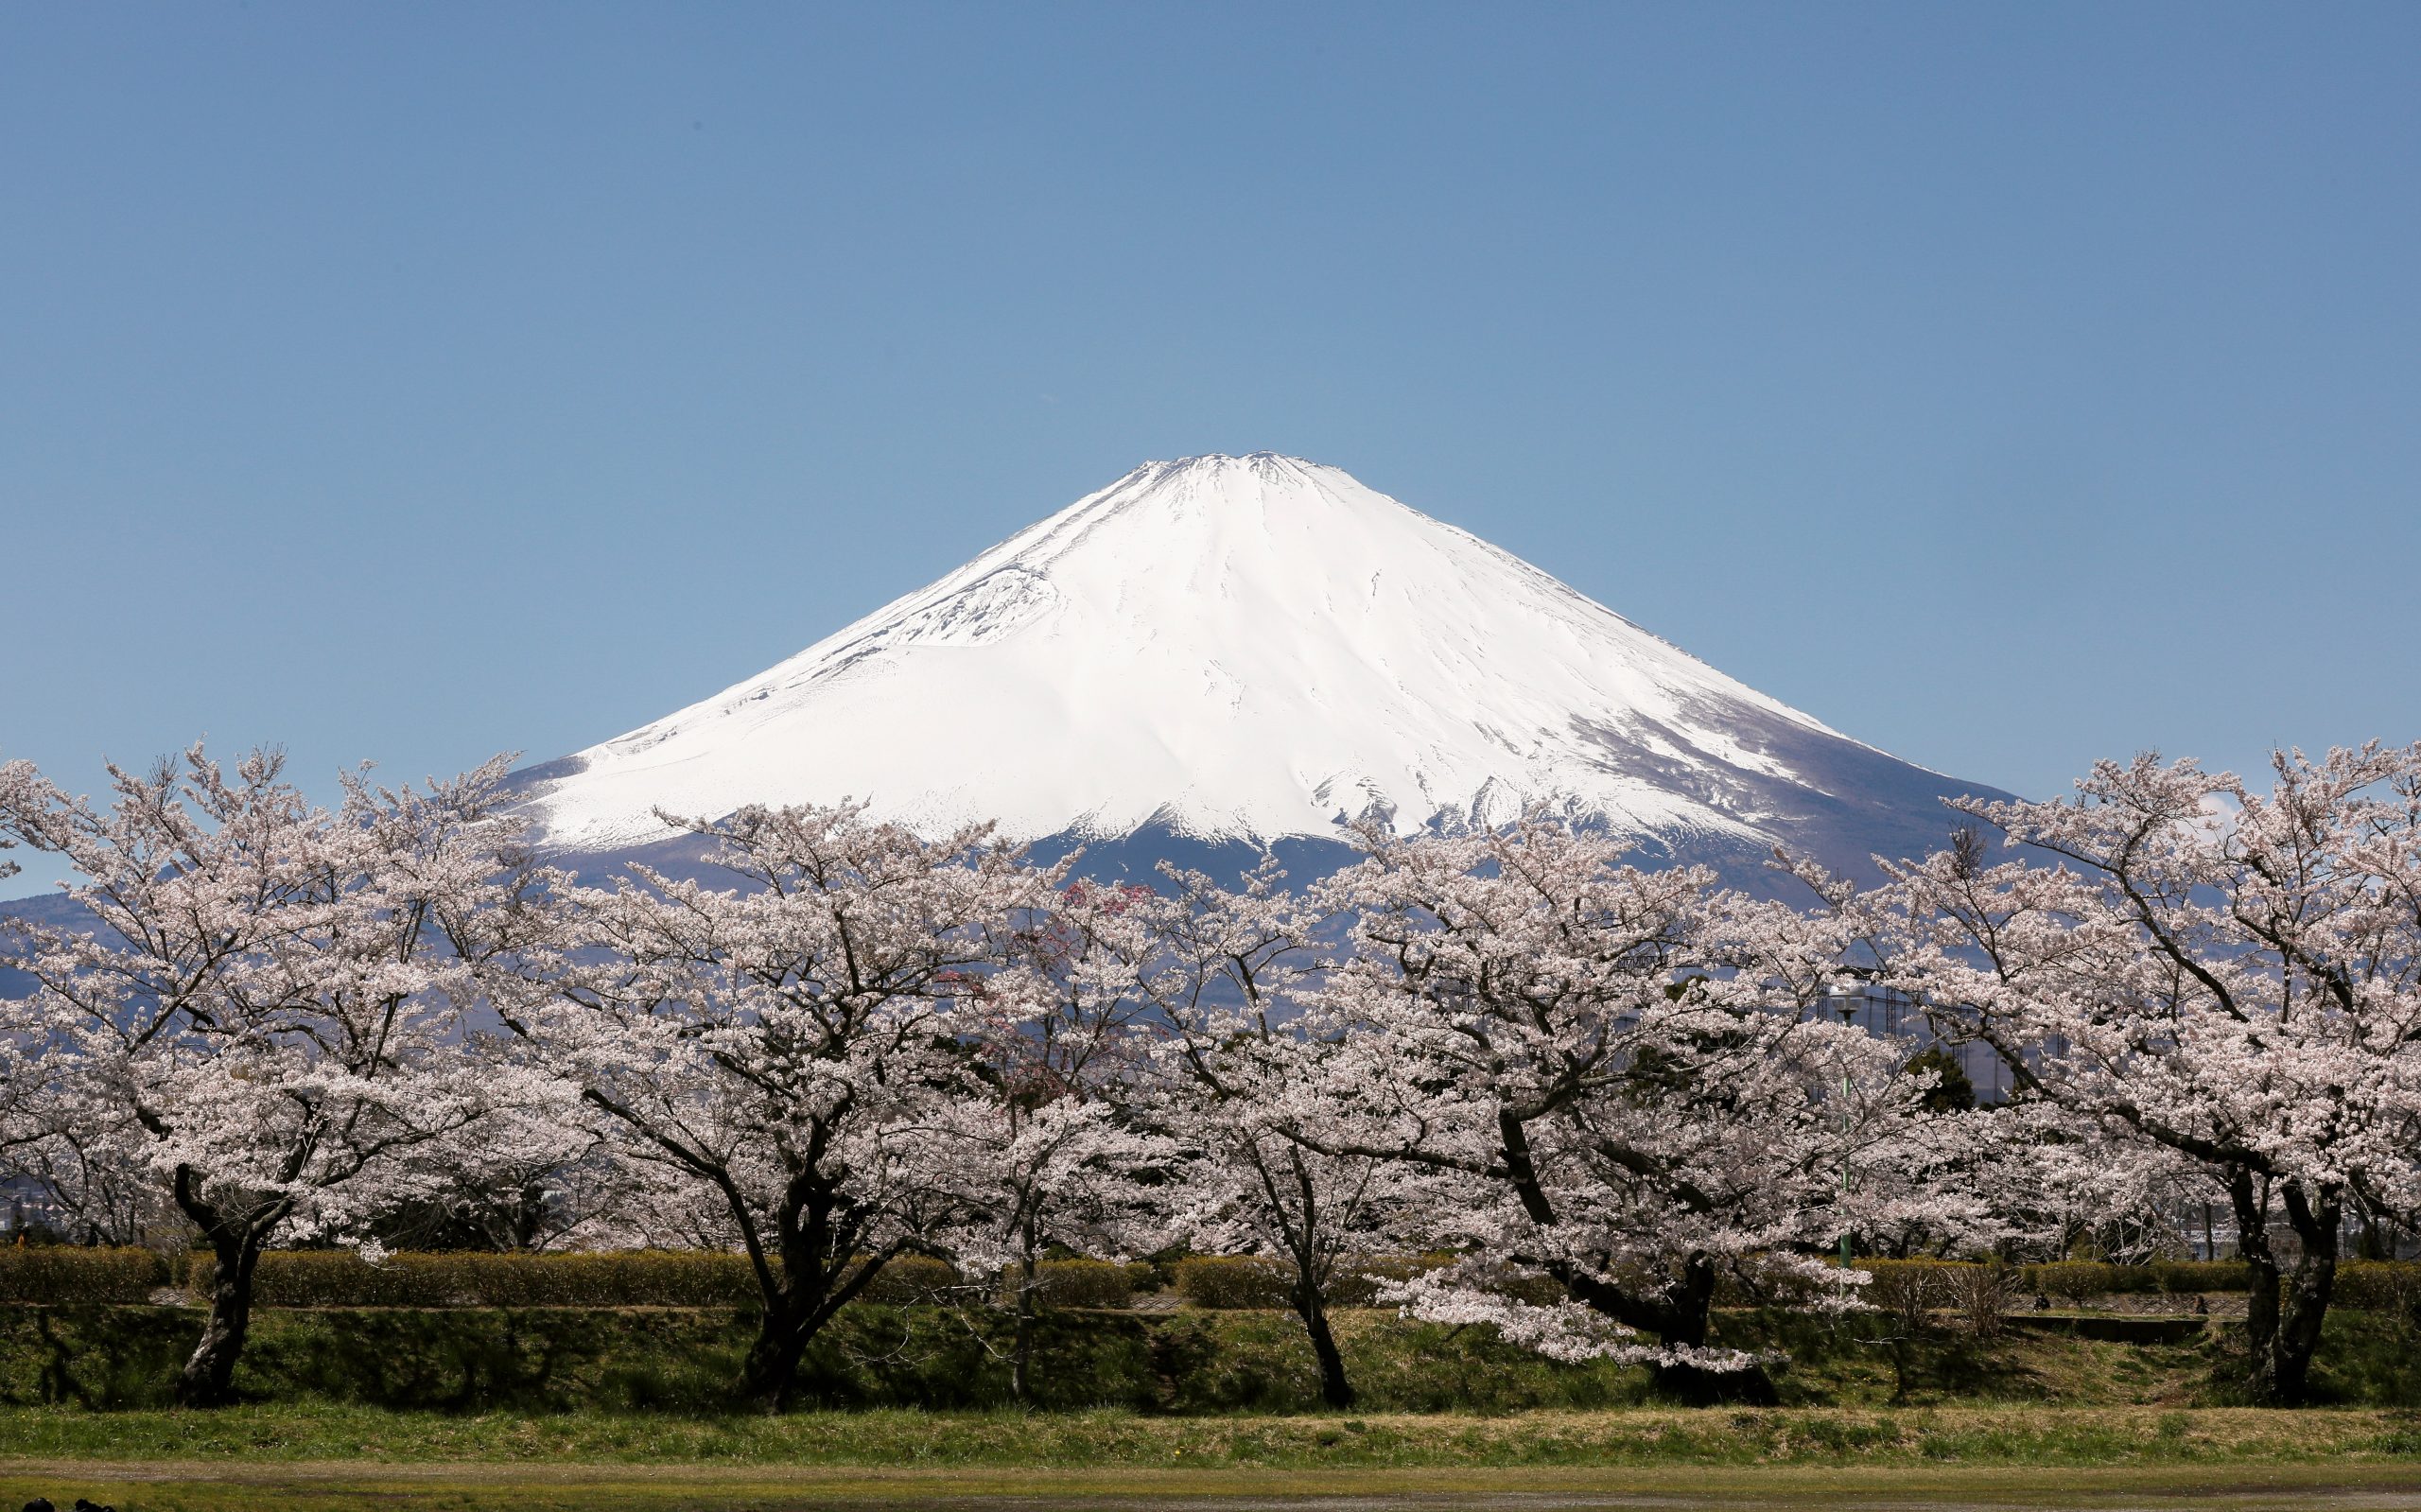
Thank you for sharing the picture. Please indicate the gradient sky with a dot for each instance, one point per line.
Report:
(2006, 386)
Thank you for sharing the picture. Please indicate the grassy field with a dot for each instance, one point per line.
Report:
(555, 1360)
(526, 1488)
(622, 1410)
(353, 1460)
(1111, 1439)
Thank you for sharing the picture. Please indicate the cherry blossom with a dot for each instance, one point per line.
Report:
(1048, 1156)
(1235, 1073)
(788, 1046)
(1628, 1070)
(2210, 978)
(261, 1010)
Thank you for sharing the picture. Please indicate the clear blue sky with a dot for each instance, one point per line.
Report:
(2005, 386)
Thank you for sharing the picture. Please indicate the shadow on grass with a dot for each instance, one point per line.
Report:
(683, 1360)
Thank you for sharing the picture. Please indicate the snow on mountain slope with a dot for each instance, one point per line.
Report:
(1251, 648)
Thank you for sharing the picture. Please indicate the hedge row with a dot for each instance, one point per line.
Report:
(632, 1279)
(2380, 1284)
(2075, 1280)
(1092, 1284)
(1231, 1281)
(337, 1277)
(55, 1274)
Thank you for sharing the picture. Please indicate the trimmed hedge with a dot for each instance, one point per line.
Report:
(337, 1277)
(340, 1278)
(2075, 1280)
(2078, 1279)
(1232, 1281)
(2380, 1286)
(2360, 1283)
(56, 1274)
(2187, 1277)
(2072, 1280)
(911, 1281)
(1088, 1283)
(1226, 1282)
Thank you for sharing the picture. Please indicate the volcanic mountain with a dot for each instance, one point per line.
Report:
(1248, 652)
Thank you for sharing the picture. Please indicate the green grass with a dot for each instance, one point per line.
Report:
(544, 1360)
(552, 1361)
(1642, 1437)
(349, 1489)
(350, 1460)
(625, 1410)
(344, 1489)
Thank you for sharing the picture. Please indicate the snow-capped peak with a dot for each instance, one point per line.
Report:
(1235, 648)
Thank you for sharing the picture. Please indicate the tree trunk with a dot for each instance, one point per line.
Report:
(1904, 1362)
(1310, 1305)
(2251, 1201)
(2286, 1306)
(1679, 1319)
(2302, 1308)
(1021, 1354)
(1695, 1386)
(798, 1299)
(2305, 1290)
(1686, 1314)
(770, 1376)
(208, 1376)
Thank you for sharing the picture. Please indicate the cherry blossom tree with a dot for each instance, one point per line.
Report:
(526, 1178)
(1234, 1074)
(82, 1158)
(70, 1152)
(20, 1070)
(2211, 978)
(787, 1045)
(263, 1008)
(1625, 1069)
(1048, 1157)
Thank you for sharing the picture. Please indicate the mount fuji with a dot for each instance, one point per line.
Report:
(1235, 653)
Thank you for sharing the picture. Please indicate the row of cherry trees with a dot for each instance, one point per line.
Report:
(1597, 1091)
